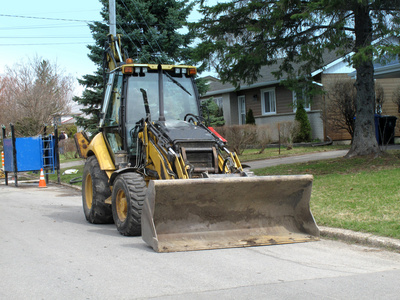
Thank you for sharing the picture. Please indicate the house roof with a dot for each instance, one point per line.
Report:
(388, 70)
(266, 76)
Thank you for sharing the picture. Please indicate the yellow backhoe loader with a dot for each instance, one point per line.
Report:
(156, 170)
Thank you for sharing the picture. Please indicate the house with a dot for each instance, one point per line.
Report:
(271, 102)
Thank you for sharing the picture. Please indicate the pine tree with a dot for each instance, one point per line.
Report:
(149, 35)
(250, 117)
(304, 133)
(212, 114)
(239, 37)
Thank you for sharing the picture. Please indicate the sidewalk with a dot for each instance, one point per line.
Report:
(258, 164)
(71, 164)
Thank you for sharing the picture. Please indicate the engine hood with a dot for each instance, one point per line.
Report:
(182, 131)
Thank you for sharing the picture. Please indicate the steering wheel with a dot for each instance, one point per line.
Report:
(191, 118)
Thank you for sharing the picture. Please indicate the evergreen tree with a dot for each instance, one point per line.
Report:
(304, 133)
(212, 114)
(250, 117)
(149, 35)
(238, 37)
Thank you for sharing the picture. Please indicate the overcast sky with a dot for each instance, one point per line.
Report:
(53, 30)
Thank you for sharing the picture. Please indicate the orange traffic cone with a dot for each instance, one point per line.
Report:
(42, 182)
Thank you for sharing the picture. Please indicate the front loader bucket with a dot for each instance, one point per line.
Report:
(212, 213)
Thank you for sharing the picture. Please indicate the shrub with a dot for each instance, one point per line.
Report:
(340, 109)
(69, 129)
(265, 135)
(304, 133)
(250, 117)
(68, 148)
(239, 136)
(287, 131)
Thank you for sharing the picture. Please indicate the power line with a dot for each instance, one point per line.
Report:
(43, 44)
(40, 26)
(53, 19)
(45, 37)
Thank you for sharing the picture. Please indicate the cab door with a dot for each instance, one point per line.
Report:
(112, 110)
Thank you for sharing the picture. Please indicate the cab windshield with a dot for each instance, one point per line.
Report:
(179, 97)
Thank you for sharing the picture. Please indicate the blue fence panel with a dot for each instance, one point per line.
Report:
(29, 154)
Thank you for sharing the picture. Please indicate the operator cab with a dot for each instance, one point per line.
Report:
(131, 86)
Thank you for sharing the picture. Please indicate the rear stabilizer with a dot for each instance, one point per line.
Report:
(212, 213)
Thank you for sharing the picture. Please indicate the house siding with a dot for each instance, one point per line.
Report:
(317, 131)
(251, 102)
(285, 103)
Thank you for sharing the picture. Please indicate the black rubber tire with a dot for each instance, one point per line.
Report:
(130, 187)
(95, 190)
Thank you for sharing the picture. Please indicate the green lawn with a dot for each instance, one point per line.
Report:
(361, 194)
(67, 178)
(366, 201)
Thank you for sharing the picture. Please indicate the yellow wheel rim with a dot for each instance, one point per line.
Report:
(121, 205)
(88, 191)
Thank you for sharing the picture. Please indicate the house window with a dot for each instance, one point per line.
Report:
(268, 101)
(242, 109)
(306, 101)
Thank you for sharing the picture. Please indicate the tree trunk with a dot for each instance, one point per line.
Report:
(364, 140)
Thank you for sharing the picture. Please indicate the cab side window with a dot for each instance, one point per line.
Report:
(112, 115)
(113, 109)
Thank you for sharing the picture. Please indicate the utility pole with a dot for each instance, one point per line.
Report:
(113, 18)
(113, 27)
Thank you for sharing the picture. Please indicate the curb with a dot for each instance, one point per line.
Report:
(68, 185)
(367, 239)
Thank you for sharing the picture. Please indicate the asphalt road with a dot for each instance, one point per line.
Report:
(49, 251)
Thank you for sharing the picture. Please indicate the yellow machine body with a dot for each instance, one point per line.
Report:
(172, 179)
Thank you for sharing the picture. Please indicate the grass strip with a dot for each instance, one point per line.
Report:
(361, 194)
(67, 178)
(365, 201)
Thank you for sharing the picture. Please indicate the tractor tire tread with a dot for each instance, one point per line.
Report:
(100, 212)
(136, 188)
